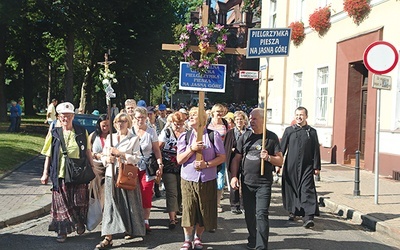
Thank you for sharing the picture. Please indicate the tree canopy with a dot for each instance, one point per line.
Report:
(50, 49)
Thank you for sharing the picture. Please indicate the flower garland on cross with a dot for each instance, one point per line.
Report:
(107, 77)
(206, 36)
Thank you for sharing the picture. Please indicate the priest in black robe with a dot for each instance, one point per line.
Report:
(303, 161)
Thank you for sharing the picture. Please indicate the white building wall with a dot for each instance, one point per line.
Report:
(315, 52)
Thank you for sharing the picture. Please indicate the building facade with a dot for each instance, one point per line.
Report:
(327, 75)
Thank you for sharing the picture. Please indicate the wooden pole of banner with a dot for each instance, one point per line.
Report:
(265, 118)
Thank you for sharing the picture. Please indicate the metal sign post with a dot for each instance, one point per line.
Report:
(380, 58)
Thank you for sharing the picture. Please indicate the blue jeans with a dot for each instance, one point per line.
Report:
(256, 201)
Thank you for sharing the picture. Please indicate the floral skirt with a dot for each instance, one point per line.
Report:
(69, 207)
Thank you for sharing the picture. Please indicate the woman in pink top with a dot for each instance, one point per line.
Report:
(199, 158)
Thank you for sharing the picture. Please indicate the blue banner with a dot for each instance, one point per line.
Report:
(212, 81)
(268, 43)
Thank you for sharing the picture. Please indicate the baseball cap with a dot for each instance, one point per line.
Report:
(150, 109)
(65, 108)
(162, 107)
(141, 103)
(96, 112)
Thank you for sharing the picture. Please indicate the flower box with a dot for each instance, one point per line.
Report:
(320, 20)
(298, 34)
(357, 9)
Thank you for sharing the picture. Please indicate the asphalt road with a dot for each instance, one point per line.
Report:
(329, 232)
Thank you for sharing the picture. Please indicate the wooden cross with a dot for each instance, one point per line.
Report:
(232, 51)
(109, 92)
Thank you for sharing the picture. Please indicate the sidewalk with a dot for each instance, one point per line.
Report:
(22, 197)
(336, 190)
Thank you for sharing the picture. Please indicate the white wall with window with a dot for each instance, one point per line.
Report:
(297, 88)
(321, 100)
(272, 14)
(301, 11)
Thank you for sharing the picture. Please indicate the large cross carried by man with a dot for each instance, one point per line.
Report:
(212, 49)
(261, 43)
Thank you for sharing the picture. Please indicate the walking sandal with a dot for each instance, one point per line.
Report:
(104, 244)
(187, 245)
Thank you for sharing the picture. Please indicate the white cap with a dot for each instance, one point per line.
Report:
(182, 110)
(65, 108)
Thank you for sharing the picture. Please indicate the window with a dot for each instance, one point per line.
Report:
(272, 14)
(322, 95)
(297, 90)
(300, 11)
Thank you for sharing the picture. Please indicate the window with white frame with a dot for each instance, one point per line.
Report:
(322, 95)
(272, 14)
(300, 11)
(297, 90)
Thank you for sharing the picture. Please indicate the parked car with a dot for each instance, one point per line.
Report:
(87, 121)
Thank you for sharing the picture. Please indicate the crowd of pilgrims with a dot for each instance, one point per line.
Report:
(137, 132)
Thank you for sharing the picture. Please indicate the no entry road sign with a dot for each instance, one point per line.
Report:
(380, 57)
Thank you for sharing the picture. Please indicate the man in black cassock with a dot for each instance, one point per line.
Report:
(302, 162)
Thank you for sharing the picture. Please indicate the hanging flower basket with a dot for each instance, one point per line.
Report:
(357, 9)
(298, 34)
(320, 20)
(204, 37)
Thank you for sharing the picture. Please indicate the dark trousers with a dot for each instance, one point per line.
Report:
(256, 201)
(235, 198)
(13, 124)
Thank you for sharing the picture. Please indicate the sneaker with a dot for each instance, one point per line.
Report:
(220, 210)
(292, 217)
(308, 224)
(235, 210)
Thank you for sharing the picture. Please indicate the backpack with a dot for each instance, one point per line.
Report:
(210, 136)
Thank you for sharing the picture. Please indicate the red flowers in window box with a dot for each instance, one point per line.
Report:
(320, 20)
(298, 34)
(357, 9)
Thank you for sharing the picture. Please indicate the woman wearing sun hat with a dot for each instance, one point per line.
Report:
(69, 200)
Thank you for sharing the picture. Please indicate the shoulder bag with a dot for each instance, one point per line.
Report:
(77, 171)
(127, 175)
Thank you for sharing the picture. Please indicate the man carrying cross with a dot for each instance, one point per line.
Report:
(256, 186)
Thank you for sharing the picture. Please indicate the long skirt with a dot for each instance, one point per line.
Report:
(122, 213)
(69, 207)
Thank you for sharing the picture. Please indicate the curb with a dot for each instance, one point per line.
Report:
(39, 208)
(349, 213)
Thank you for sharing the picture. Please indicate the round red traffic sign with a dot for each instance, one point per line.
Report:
(380, 57)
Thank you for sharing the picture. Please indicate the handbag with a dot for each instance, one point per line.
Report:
(78, 171)
(95, 213)
(127, 176)
(150, 163)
